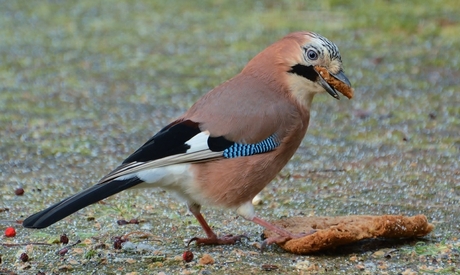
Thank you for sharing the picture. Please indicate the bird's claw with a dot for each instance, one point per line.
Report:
(269, 241)
(283, 239)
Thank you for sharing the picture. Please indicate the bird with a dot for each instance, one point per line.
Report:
(232, 142)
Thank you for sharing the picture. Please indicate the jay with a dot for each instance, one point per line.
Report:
(232, 142)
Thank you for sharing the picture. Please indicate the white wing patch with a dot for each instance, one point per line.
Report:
(198, 152)
(198, 142)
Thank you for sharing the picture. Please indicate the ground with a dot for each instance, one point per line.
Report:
(83, 84)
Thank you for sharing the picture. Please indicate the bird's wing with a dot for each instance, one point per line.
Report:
(230, 121)
(180, 142)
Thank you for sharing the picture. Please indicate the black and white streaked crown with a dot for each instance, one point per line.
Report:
(331, 47)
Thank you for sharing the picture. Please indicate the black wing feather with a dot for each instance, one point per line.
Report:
(169, 141)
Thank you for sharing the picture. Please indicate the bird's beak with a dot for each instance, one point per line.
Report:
(334, 83)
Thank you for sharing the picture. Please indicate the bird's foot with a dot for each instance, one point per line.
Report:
(282, 239)
(214, 240)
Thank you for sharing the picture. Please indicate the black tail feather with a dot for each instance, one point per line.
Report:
(78, 201)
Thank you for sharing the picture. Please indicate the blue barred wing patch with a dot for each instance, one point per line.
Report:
(243, 150)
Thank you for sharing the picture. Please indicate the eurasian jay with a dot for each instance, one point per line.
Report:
(232, 142)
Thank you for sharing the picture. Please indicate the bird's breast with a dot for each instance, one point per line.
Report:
(231, 182)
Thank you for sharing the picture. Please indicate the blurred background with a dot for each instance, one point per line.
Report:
(84, 83)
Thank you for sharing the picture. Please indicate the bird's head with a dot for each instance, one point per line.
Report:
(310, 64)
(318, 61)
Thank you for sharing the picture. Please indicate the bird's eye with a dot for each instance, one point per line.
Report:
(312, 55)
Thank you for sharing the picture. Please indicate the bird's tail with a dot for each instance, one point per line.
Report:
(78, 201)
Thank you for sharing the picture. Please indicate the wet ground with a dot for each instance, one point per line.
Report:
(83, 84)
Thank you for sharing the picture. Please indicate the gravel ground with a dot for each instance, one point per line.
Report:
(83, 84)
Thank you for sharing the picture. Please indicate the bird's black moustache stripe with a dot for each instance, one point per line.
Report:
(306, 71)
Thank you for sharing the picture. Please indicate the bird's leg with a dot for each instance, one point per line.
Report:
(211, 238)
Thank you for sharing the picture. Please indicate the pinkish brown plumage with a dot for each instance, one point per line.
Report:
(232, 142)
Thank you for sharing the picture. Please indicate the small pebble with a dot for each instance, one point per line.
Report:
(269, 267)
(187, 256)
(64, 239)
(63, 251)
(134, 221)
(24, 257)
(257, 200)
(206, 259)
(19, 191)
(117, 243)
